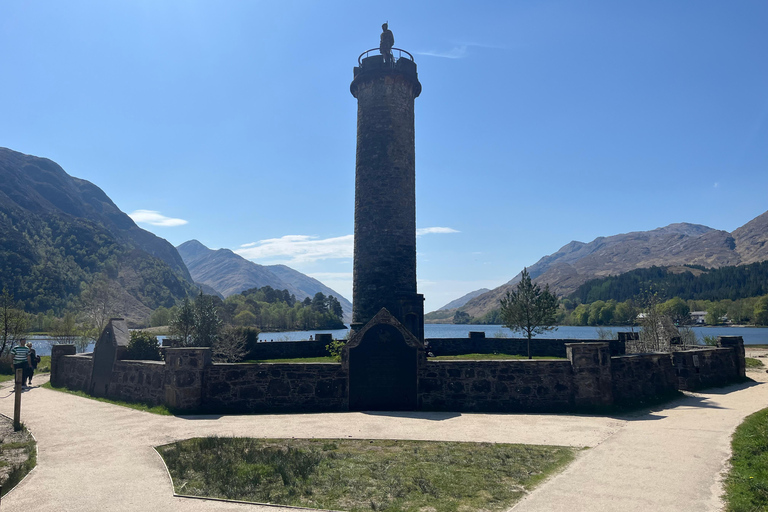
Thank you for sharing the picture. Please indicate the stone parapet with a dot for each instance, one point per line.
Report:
(591, 365)
(184, 372)
(736, 343)
(57, 352)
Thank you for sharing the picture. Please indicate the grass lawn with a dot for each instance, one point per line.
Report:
(326, 359)
(154, 409)
(751, 362)
(356, 475)
(486, 357)
(746, 486)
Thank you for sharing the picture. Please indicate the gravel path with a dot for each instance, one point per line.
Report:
(99, 457)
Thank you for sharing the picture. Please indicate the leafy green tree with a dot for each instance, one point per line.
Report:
(461, 317)
(761, 311)
(677, 309)
(334, 306)
(160, 316)
(143, 346)
(715, 314)
(528, 308)
(207, 322)
(183, 324)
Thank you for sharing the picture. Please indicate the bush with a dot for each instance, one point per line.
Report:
(143, 346)
(334, 349)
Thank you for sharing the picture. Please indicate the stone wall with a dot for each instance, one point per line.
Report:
(513, 346)
(706, 367)
(306, 387)
(288, 349)
(589, 378)
(73, 372)
(138, 381)
(495, 386)
(638, 377)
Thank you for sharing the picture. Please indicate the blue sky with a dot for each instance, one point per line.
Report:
(539, 122)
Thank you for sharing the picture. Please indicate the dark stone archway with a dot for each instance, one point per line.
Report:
(383, 367)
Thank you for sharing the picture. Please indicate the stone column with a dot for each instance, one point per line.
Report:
(385, 194)
(592, 382)
(737, 344)
(57, 352)
(184, 373)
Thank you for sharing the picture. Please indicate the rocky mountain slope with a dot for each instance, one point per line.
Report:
(676, 244)
(229, 273)
(457, 303)
(57, 232)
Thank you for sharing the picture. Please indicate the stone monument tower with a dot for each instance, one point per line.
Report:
(385, 189)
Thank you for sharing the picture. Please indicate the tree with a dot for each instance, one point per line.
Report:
(528, 308)
(761, 311)
(677, 309)
(160, 316)
(143, 346)
(461, 317)
(207, 322)
(183, 324)
(230, 346)
(14, 322)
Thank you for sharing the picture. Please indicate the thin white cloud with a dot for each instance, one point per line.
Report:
(717, 185)
(458, 52)
(155, 218)
(298, 249)
(430, 231)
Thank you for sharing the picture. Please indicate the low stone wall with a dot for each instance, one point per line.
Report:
(138, 381)
(638, 377)
(492, 386)
(589, 378)
(288, 349)
(706, 367)
(74, 372)
(275, 387)
(513, 346)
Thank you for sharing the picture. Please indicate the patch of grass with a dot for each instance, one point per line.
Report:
(357, 475)
(44, 366)
(326, 359)
(746, 487)
(162, 410)
(486, 357)
(17, 458)
(751, 362)
(5, 378)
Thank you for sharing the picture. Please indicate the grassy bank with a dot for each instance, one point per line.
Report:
(356, 475)
(746, 487)
(154, 409)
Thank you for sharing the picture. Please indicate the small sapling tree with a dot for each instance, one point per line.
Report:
(529, 309)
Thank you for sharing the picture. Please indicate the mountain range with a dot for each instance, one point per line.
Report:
(676, 244)
(58, 233)
(229, 273)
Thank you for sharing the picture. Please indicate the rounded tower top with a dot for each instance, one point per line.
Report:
(397, 62)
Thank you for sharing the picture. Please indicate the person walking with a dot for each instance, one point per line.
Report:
(20, 355)
(34, 359)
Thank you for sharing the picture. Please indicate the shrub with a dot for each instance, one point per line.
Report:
(143, 346)
(334, 348)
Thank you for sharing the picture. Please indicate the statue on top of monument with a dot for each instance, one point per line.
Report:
(386, 43)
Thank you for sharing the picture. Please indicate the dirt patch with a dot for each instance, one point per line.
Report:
(17, 453)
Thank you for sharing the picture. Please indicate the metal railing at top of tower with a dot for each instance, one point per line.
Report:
(399, 51)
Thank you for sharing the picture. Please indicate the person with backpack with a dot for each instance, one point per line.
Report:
(34, 360)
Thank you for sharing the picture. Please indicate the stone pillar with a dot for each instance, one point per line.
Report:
(57, 351)
(477, 335)
(184, 373)
(737, 344)
(385, 194)
(592, 382)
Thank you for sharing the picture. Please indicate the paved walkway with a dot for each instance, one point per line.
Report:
(99, 457)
